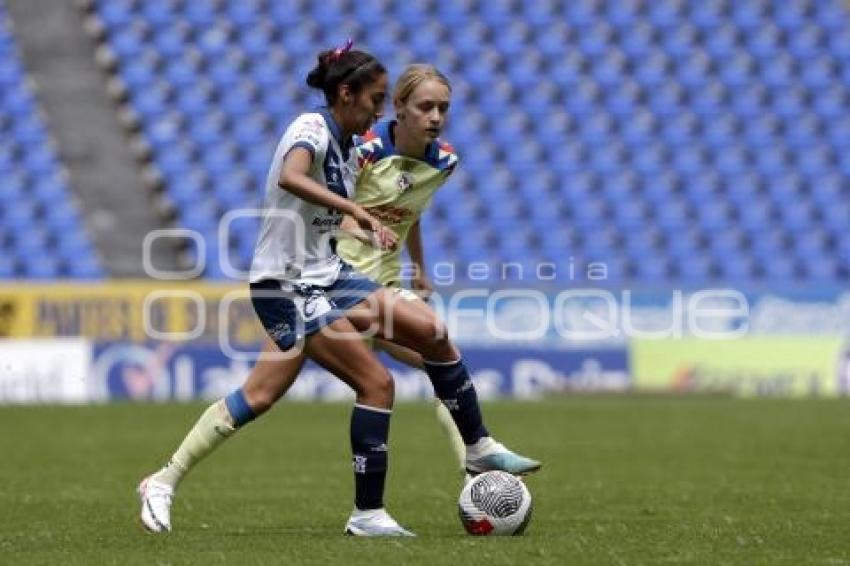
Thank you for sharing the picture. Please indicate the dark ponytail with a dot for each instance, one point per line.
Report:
(343, 66)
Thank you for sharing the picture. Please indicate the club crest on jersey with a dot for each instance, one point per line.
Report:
(333, 170)
(334, 176)
(404, 182)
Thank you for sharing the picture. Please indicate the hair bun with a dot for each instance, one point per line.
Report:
(317, 77)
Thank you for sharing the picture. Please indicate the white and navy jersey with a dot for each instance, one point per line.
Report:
(295, 242)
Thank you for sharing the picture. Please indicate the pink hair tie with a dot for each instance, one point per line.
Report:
(337, 53)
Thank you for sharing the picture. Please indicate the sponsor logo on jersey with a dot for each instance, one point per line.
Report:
(390, 214)
(327, 221)
(311, 139)
(310, 132)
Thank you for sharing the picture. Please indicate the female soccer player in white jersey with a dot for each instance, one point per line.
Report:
(312, 304)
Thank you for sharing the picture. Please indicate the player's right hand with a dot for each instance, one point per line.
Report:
(383, 237)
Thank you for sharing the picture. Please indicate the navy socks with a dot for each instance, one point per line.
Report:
(455, 389)
(370, 428)
(238, 407)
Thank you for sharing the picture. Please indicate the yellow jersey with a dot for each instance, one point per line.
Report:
(395, 189)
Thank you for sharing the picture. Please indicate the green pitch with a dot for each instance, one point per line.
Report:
(625, 481)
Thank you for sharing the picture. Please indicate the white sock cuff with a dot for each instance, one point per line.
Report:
(375, 409)
(443, 364)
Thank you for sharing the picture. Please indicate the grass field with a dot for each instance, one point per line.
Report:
(625, 481)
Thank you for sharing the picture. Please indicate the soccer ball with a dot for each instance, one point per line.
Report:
(495, 503)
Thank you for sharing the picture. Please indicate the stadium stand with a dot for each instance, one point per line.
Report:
(42, 234)
(687, 141)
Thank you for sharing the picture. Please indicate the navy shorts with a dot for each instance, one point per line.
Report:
(291, 311)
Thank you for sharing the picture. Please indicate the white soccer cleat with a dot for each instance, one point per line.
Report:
(156, 500)
(374, 523)
(488, 455)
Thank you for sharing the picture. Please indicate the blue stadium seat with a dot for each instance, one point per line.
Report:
(722, 41)
(694, 270)
(130, 41)
(117, 14)
(73, 244)
(822, 267)
(781, 269)
(201, 14)
(29, 128)
(643, 242)
(14, 186)
(789, 103)
(49, 188)
(631, 215)
(537, 14)
(736, 267)
(726, 243)
(31, 242)
(673, 217)
(772, 161)
(766, 245)
(730, 161)
(765, 42)
(713, 216)
(830, 103)
(160, 13)
(839, 41)
(581, 13)
(173, 41)
(9, 96)
(623, 101)
(40, 160)
(653, 71)
(812, 244)
(8, 266)
(142, 73)
(652, 269)
(805, 42)
(842, 252)
(43, 266)
(749, 101)
(835, 213)
(819, 73)
(681, 41)
(636, 40)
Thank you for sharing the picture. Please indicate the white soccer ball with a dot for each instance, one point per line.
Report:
(495, 503)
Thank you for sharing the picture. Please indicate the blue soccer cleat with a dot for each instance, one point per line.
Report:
(487, 455)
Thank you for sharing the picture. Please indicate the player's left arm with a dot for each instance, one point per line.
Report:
(420, 281)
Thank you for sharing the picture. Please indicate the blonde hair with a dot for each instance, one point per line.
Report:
(413, 76)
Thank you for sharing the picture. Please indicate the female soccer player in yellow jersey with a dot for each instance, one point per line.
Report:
(313, 304)
(402, 164)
